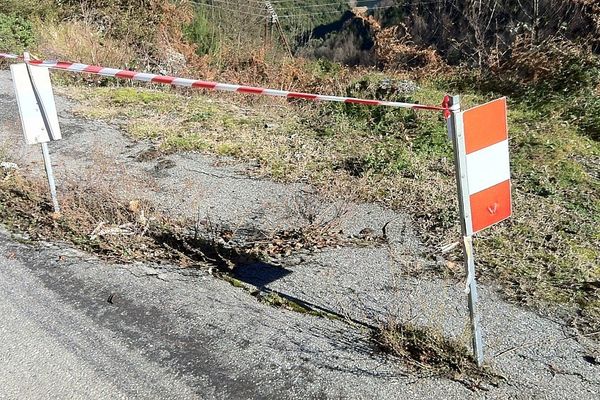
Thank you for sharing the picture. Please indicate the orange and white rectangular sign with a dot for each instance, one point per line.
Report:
(487, 164)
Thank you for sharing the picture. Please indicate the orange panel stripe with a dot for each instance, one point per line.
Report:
(485, 125)
(490, 206)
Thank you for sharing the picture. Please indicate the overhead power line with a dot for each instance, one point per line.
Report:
(296, 6)
(257, 9)
(259, 5)
(238, 11)
(230, 3)
(370, 9)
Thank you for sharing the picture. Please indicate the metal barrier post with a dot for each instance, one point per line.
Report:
(456, 131)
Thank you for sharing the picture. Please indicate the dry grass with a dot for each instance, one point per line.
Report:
(94, 221)
(78, 41)
(429, 353)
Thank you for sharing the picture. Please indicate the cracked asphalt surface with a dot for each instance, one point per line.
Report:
(178, 336)
(170, 333)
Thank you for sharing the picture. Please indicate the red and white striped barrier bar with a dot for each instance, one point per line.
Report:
(226, 87)
(11, 56)
(488, 164)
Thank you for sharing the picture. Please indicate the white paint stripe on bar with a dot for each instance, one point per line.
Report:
(183, 82)
(331, 98)
(275, 93)
(227, 87)
(488, 167)
(396, 104)
(109, 71)
(78, 67)
(144, 77)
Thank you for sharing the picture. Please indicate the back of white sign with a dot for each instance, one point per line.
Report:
(33, 90)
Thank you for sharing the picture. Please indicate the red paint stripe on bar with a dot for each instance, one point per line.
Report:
(163, 79)
(204, 85)
(250, 90)
(363, 102)
(92, 69)
(126, 74)
(63, 65)
(305, 96)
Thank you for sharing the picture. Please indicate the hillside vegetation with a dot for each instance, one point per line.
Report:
(544, 57)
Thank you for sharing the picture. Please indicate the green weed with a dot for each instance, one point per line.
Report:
(184, 142)
(16, 33)
(131, 95)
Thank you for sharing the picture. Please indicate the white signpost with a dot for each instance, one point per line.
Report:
(37, 110)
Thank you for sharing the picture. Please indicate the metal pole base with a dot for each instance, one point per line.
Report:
(50, 175)
(471, 290)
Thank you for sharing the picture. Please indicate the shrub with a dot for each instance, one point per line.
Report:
(27, 8)
(16, 33)
(557, 76)
(555, 65)
(203, 34)
(147, 31)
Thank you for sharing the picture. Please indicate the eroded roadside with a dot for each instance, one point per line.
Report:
(135, 232)
(353, 274)
(210, 338)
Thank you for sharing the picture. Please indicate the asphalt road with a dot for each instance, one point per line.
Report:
(172, 333)
(51, 349)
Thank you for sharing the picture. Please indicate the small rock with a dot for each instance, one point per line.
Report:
(9, 166)
(148, 271)
(165, 163)
(294, 261)
(147, 155)
(163, 277)
(367, 233)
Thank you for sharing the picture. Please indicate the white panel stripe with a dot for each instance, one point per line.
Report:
(488, 167)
